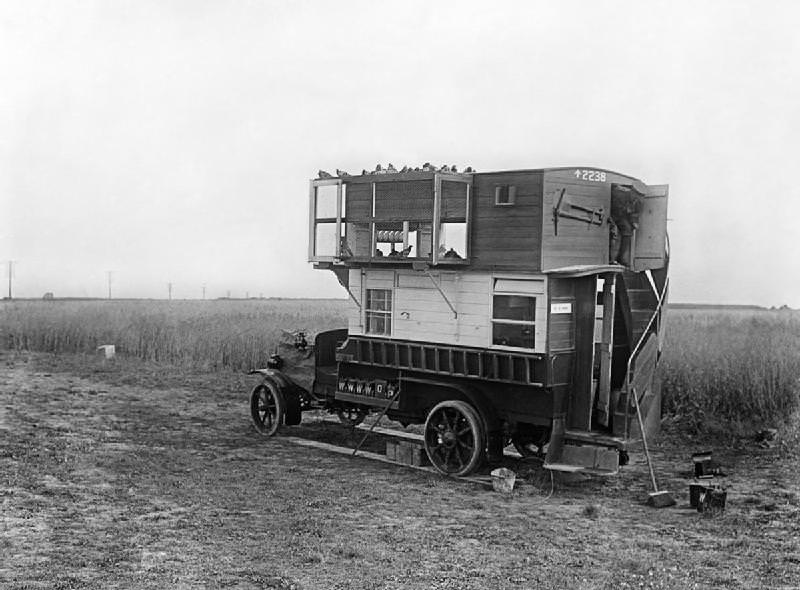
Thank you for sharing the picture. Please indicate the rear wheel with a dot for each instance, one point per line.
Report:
(455, 438)
(267, 408)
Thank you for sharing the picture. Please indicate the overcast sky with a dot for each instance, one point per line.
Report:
(173, 141)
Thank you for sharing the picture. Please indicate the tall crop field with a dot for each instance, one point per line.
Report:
(720, 369)
(207, 334)
(728, 370)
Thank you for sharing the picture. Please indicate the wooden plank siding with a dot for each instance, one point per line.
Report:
(507, 237)
(354, 315)
(572, 365)
(420, 313)
(570, 242)
(561, 331)
(562, 328)
(581, 400)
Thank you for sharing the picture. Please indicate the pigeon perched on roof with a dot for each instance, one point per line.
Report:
(453, 168)
(341, 173)
(391, 168)
(404, 169)
(323, 174)
(444, 168)
(468, 169)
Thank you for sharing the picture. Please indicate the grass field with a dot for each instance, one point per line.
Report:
(136, 475)
(723, 370)
(146, 472)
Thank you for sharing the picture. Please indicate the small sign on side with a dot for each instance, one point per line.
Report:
(560, 308)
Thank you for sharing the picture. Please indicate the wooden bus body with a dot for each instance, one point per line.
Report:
(519, 306)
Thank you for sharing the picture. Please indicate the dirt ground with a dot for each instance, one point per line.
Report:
(131, 475)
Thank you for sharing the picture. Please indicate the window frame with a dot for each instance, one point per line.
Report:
(439, 219)
(387, 314)
(536, 290)
(314, 221)
(509, 191)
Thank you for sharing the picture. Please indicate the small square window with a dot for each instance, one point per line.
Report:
(505, 195)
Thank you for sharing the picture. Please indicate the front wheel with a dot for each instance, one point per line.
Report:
(455, 438)
(267, 408)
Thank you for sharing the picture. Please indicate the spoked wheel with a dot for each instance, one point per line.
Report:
(267, 408)
(351, 416)
(455, 439)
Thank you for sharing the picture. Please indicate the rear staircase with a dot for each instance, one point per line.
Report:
(640, 299)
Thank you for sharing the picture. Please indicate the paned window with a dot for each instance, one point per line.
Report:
(378, 312)
(505, 195)
(514, 321)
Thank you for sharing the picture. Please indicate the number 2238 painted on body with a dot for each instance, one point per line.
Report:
(590, 175)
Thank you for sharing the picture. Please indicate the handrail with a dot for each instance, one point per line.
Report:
(638, 346)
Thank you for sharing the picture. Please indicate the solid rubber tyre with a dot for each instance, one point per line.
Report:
(267, 408)
(455, 438)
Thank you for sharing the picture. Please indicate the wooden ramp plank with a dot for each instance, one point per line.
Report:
(412, 436)
(303, 442)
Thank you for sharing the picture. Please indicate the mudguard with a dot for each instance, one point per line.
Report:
(290, 391)
(486, 411)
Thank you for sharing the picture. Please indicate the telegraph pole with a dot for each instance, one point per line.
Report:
(10, 276)
(169, 288)
(204, 290)
(108, 274)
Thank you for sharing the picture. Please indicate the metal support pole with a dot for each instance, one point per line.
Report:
(446, 300)
(374, 424)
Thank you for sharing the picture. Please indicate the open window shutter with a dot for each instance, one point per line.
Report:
(651, 235)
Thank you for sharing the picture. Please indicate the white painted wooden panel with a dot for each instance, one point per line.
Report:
(379, 279)
(476, 309)
(482, 298)
(354, 323)
(533, 287)
(416, 280)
